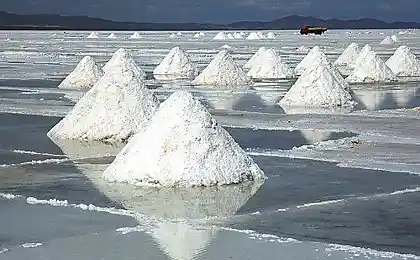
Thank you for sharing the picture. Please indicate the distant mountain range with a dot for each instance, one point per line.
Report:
(10, 21)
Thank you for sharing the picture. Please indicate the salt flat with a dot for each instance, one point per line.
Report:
(326, 196)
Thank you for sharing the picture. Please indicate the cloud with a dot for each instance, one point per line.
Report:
(218, 10)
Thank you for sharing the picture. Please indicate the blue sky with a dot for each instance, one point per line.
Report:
(218, 11)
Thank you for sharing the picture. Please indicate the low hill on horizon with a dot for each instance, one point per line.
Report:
(10, 21)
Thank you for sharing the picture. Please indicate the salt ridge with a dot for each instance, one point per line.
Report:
(182, 146)
(84, 76)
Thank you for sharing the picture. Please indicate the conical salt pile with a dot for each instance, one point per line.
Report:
(254, 58)
(123, 61)
(220, 36)
(387, 41)
(349, 55)
(395, 38)
(270, 66)
(230, 36)
(135, 35)
(223, 72)
(270, 35)
(303, 49)
(254, 36)
(172, 35)
(314, 55)
(197, 35)
(237, 35)
(318, 87)
(371, 69)
(182, 146)
(115, 108)
(84, 76)
(112, 36)
(367, 48)
(404, 63)
(177, 64)
(93, 35)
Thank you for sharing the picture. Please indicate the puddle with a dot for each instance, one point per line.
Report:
(282, 139)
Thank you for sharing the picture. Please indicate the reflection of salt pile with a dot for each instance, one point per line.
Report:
(349, 55)
(84, 76)
(370, 99)
(220, 36)
(112, 36)
(404, 62)
(387, 41)
(315, 55)
(371, 69)
(183, 146)
(116, 107)
(176, 64)
(319, 86)
(223, 72)
(93, 35)
(303, 49)
(123, 61)
(314, 136)
(270, 65)
(135, 35)
(254, 58)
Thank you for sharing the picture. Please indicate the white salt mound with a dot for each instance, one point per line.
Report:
(270, 66)
(367, 48)
(387, 41)
(371, 69)
(123, 61)
(230, 36)
(318, 87)
(172, 35)
(315, 55)
(254, 58)
(135, 35)
(116, 107)
(225, 47)
(303, 49)
(223, 72)
(237, 35)
(84, 76)
(182, 146)
(93, 35)
(220, 36)
(349, 55)
(197, 35)
(404, 63)
(112, 36)
(270, 35)
(395, 38)
(254, 36)
(177, 64)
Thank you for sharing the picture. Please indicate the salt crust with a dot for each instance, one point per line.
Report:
(123, 61)
(182, 146)
(319, 86)
(116, 107)
(371, 69)
(349, 55)
(177, 64)
(223, 72)
(254, 58)
(270, 66)
(404, 63)
(84, 76)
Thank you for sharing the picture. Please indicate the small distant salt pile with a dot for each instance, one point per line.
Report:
(223, 72)
(237, 35)
(371, 69)
(270, 35)
(349, 55)
(254, 58)
(318, 87)
(270, 66)
(172, 35)
(116, 107)
(220, 36)
(93, 35)
(112, 36)
(179, 34)
(225, 47)
(197, 35)
(303, 49)
(395, 38)
(387, 41)
(253, 36)
(135, 35)
(404, 63)
(84, 76)
(230, 36)
(315, 54)
(122, 60)
(182, 146)
(177, 64)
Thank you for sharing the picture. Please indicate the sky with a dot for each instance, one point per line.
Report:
(218, 11)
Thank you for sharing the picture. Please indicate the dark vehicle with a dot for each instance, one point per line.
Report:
(317, 30)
